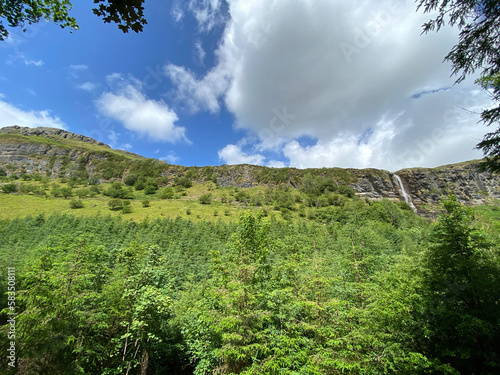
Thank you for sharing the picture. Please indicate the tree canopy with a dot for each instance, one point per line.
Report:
(478, 49)
(128, 14)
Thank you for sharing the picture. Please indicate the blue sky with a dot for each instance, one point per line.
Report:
(280, 83)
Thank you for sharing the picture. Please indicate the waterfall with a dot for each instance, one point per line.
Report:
(403, 192)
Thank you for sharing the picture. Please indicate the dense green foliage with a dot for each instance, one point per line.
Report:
(364, 288)
(127, 14)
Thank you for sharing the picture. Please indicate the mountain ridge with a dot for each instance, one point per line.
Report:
(60, 153)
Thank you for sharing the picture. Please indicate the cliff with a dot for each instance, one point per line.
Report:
(59, 153)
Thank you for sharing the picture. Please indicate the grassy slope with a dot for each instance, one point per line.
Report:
(21, 205)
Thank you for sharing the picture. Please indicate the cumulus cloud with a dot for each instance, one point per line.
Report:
(232, 154)
(355, 76)
(199, 94)
(12, 115)
(128, 105)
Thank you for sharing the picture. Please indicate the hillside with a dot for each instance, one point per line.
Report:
(126, 265)
(56, 153)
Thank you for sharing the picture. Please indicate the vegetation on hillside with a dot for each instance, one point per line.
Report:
(361, 289)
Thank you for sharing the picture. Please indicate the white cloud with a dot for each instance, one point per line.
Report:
(87, 86)
(342, 73)
(128, 105)
(12, 115)
(199, 52)
(171, 158)
(79, 67)
(202, 94)
(232, 154)
(177, 12)
(25, 60)
(207, 13)
(125, 146)
(33, 62)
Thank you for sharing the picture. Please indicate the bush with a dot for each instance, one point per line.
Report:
(205, 198)
(149, 189)
(66, 192)
(145, 203)
(139, 185)
(82, 193)
(183, 181)
(116, 190)
(115, 204)
(76, 203)
(9, 188)
(347, 191)
(130, 179)
(94, 190)
(94, 180)
(2, 172)
(167, 193)
(127, 209)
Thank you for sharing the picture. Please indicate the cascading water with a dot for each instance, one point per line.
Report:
(403, 192)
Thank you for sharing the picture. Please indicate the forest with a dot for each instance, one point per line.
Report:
(359, 288)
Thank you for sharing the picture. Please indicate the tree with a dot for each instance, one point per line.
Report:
(462, 293)
(115, 204)
(478, 48)
(9, 188)
(205, 198)
(76, 203)
(128, 14)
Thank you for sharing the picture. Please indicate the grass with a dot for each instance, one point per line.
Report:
(18, 206)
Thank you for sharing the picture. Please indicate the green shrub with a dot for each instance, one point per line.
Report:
(66, 192)
(347, 191)
(205, 198)
(117, 190)
(9, 188)
(2, 172)
(115, 204)
(139, 185)
(82, 193)
(183, 181)
(94, 180)
(145, 203)
(127, 209)
(94, 190)
(167, 193)
(130, 179)
(149, 189)
(76, 203)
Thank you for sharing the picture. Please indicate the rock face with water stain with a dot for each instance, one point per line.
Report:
(465, 180)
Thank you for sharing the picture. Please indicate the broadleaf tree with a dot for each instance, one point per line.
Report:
(128, 14)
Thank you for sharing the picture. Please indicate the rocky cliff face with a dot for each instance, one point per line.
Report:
(50, 152)
(427, 185)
